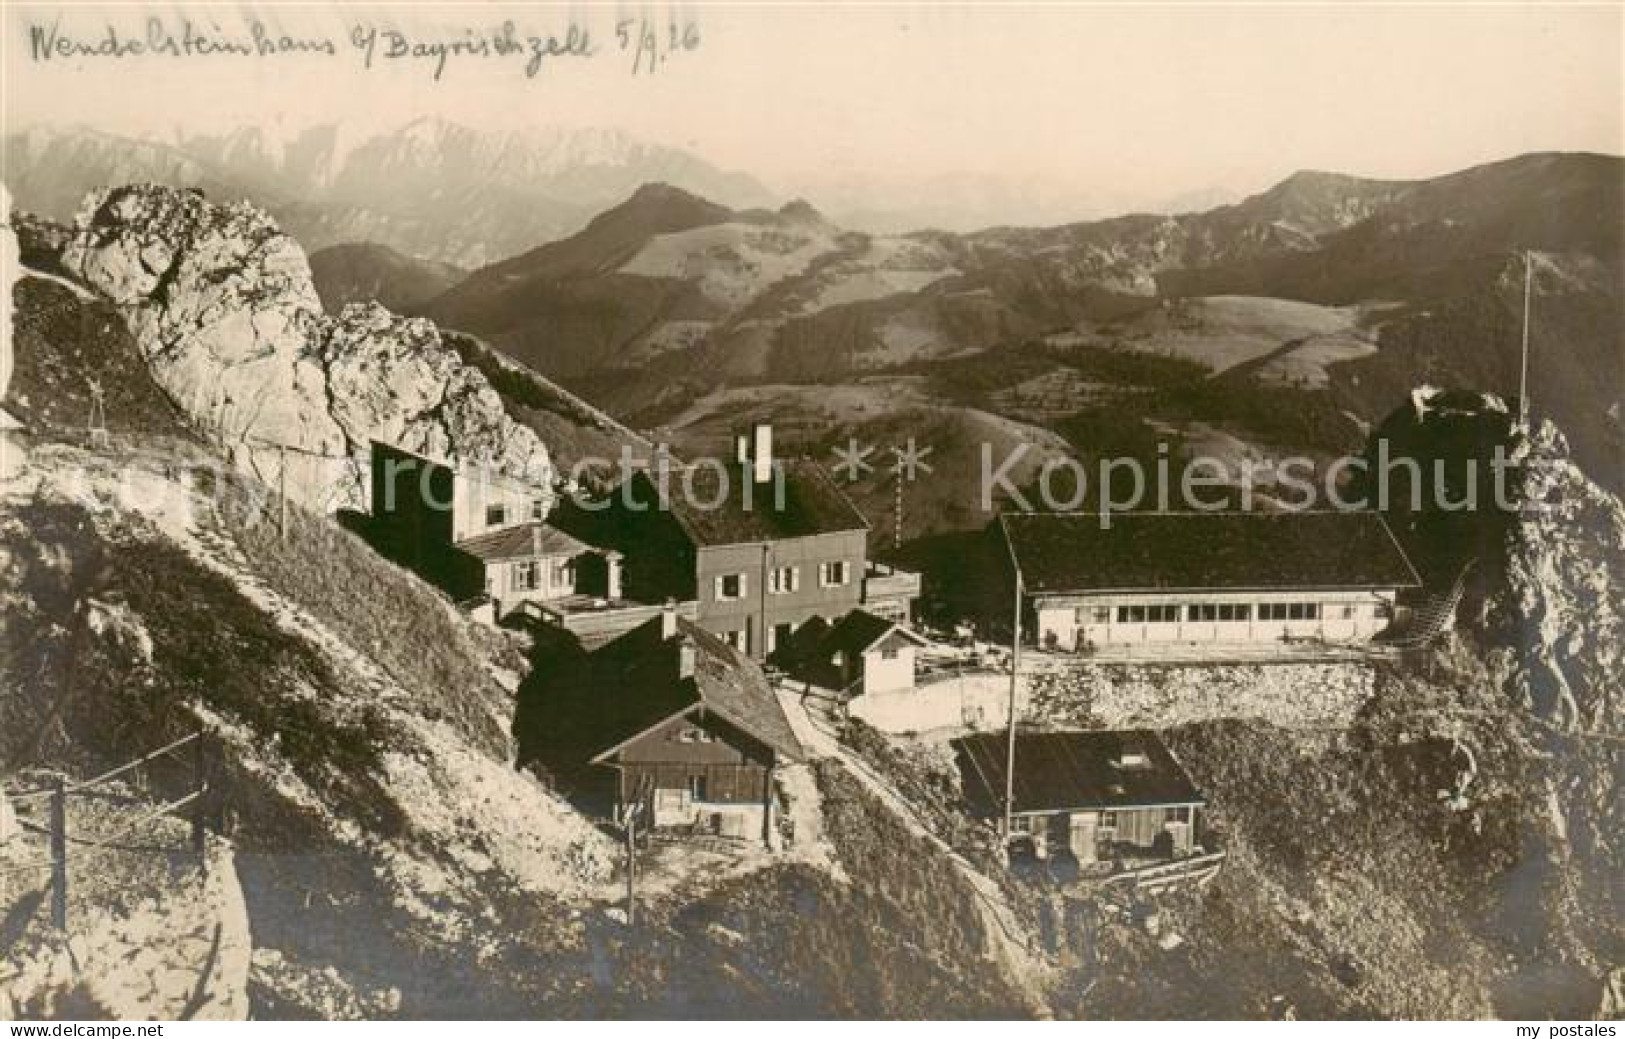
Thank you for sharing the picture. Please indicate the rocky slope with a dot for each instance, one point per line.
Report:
(221, 303)
(453, 194)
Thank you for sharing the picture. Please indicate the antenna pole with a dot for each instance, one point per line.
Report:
(1010, 727)
(1523, 372)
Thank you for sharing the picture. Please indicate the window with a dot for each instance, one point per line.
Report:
(538, 510)
(1348, 611)
(697, 788)
(730, 587)
(1176, 815)
(1156, 614)
(1383, 611)
(833, 574)
(694, 734)
(563, 574)
(1289, 611)
(783, 580)
(524, 576)
(1108, 820)
(1218, 611)
(888, 653)
(496, 515)
(736, 639)
(1094, 615)
(779, 636)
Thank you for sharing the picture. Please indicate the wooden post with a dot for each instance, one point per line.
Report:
(200, 785)
(282, 490)
(631, 866)
(1010, 748)
(59, 854)
(1523, 364)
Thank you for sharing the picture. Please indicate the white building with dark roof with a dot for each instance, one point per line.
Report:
(1205, 578)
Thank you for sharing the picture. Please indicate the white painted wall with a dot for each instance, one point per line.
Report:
(471, 495)
(887, 676)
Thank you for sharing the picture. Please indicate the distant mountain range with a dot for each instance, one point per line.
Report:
(669, 296)
(430, 189)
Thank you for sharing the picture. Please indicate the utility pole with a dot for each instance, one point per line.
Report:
(59, 854)
(200, 786)
(1010, 729)
(631, 866)
(897, 529)
(282, 489)
(1523, 374)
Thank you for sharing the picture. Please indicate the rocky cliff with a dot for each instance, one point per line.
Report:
(222, 306)
(1560, 611)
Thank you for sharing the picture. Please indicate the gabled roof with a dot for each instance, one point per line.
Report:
(638, 685)
(1059, 771)
(1190, 551)
(526, 541)
(858, 632)
(718, 505)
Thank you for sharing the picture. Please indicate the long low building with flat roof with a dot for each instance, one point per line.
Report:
(1209, 578)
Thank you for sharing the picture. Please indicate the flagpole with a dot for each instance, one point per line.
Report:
(1523, 373)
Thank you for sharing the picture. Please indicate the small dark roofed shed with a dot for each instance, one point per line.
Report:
(636, 683)
(1188, 551)
(859, 630)
(1067, 771)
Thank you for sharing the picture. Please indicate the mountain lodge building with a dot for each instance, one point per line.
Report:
(1205, 579)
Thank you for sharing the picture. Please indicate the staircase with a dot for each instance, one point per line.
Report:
(1435, 616)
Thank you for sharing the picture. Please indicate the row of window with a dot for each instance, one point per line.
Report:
(1171, 613)
(1107, 819)
(783, 580)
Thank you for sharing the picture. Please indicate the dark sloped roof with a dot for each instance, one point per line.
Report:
(522, 542)
(1075, 552)
(636, 685)
(860, 629)
(717, 505)
(1058, 771)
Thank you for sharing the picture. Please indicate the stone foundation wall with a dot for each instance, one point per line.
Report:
(1066, 691)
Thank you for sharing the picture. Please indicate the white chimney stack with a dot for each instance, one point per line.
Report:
(668, 620)
(762, 453)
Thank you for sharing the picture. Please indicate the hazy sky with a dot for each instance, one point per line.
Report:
(1115, 103)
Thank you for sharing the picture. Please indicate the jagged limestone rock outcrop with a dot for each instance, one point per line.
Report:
(223, 307)
(1561, 608)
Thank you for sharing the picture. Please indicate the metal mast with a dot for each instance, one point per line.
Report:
(1523, 373)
